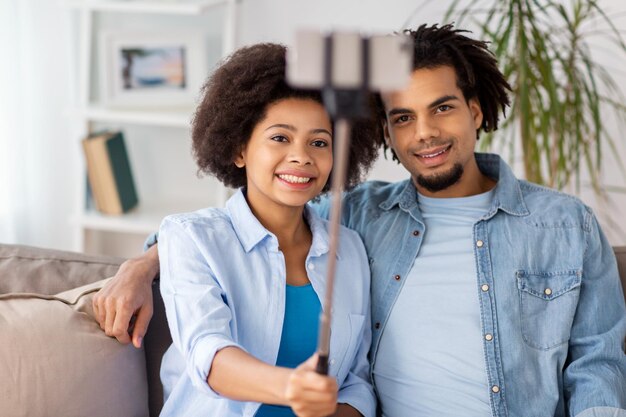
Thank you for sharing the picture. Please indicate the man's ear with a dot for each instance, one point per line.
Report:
(477, 112)
(386, 133)
(387, 137)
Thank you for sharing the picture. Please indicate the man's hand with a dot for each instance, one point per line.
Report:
(124, 304)
(310, 394)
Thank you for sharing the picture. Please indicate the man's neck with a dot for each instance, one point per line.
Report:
(472, 182)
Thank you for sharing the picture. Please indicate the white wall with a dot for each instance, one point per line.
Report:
(48, 200)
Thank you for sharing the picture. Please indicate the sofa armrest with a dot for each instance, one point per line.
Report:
(157, 341)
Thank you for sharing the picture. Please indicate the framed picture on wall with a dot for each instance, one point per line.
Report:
(152, 70)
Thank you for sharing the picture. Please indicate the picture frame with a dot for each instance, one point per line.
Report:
(152, 70)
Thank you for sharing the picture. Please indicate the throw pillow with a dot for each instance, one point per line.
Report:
(56, 361)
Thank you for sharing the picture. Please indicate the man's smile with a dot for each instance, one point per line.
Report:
(434, 156)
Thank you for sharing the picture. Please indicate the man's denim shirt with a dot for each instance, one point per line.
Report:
(548, 286)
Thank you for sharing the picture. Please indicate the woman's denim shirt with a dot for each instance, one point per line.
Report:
(549, 291)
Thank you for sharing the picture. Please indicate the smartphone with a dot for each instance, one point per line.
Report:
(344, 60)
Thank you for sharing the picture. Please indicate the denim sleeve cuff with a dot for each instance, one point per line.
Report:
(602, 412)
(359, 396)
(202, 359)
(151, 241)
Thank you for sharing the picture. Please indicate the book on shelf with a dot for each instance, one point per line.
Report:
(109, 173)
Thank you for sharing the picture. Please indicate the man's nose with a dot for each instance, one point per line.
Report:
(426, 128)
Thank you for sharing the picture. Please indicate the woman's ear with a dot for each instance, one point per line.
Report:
(239, 160)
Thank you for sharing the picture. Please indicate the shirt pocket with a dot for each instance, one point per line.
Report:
(548, 303)
(352, 343)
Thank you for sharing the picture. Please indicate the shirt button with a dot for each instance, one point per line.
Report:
(377, 325)
(480, 243)
(495, 389)
(396, 277)
(416, 232)
(311, 266)
(547, 291)
(332, 361)
(484, 287)
(488, 337)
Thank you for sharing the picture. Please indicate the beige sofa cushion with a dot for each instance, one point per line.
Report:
(49, 271)
(56, 361)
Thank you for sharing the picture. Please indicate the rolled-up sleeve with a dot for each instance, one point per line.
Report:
(198, 316)
(150, 241)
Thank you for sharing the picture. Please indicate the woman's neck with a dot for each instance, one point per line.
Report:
(286, 223)
(293, 233)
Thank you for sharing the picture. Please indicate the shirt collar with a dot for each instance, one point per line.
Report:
(251, 232)
(406, 198)
(247, 227)
(321, 236)
(508, 194)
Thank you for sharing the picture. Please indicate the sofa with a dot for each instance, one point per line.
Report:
(54, 358)
(48, 335)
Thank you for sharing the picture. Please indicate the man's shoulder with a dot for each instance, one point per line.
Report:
(373, 193)
(550, 204)
(347, 235)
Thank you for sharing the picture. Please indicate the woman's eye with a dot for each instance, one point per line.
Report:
(279, 138)
(319, 143)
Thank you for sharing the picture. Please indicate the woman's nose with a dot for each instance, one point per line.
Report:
(299, 154)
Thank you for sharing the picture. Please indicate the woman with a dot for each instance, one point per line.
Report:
(242, 285)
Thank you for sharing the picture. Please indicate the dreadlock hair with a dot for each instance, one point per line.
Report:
(476, 68)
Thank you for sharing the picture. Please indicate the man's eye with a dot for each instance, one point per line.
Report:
(443, 108)
(319, 143)
(403, 119)
(279, 138)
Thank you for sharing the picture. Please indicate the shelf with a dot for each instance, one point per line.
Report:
(106, 234)
(144, 219)
(181, 7)
(165, 118)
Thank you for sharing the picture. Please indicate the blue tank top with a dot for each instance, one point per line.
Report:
(299, 337)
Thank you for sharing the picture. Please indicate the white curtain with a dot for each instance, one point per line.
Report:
(11, 67)
(36, 151)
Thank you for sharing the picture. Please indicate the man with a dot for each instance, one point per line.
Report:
(491, 296)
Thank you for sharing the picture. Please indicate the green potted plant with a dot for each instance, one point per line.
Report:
(560, 95)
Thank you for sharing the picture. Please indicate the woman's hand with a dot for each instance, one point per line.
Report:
(310, 394)
(237, 375)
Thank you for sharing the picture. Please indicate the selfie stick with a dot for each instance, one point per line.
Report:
(342, 147)
(345, 66)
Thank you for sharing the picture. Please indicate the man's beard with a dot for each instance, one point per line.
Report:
(438, 182)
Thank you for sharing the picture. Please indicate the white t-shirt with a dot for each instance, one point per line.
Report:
(430, 361)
